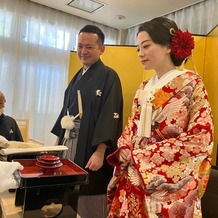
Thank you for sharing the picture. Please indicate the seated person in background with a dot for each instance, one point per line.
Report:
(9, 130)
(8, 126)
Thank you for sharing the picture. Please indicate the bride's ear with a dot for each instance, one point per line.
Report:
(168, 49)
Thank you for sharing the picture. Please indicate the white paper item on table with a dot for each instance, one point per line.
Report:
(8, 151)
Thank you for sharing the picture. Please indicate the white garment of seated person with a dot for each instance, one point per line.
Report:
(3, 139)
(7, 179)
(7, 169)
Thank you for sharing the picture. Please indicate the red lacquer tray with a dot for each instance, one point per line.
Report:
(68, 174)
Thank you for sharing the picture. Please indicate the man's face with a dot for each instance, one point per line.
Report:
(88, 49)
(2, 100)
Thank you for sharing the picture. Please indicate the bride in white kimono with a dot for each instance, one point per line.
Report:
(163, 159)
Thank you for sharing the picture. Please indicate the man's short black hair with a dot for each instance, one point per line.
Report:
(93, 29)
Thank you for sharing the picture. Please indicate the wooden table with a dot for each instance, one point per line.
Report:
(43, 193)
(9, 210)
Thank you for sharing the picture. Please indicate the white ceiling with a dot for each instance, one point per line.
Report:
(135, 11)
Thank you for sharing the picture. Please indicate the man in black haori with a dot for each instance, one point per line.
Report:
(90, 121)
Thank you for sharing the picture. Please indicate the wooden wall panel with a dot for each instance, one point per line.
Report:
(197, 62)
(211, 81)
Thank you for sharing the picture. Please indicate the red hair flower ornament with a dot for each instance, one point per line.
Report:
(182, 43)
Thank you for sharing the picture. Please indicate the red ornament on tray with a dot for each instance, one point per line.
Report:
(48, 163)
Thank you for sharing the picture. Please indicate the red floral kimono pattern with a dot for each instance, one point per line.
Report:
(169, 171)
